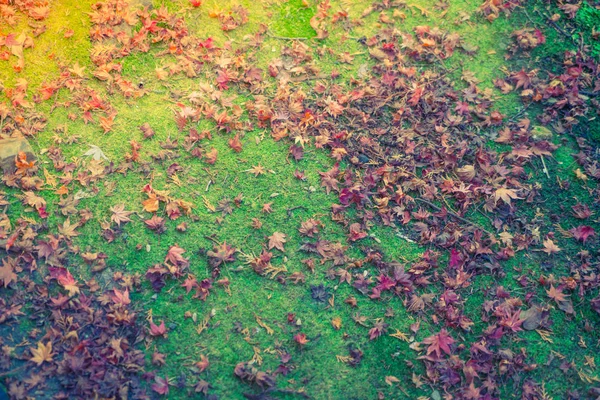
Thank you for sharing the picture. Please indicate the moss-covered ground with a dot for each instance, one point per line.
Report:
(233, 333)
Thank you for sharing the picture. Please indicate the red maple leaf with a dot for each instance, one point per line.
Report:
(235, 143)
(175, 257)
(157, 330)
(301, 339)
(221, 254)
(356, 233)
(438, 343)
(377, 330)
(161, 385)
(583, 232)
(119, 297)
(189, 283)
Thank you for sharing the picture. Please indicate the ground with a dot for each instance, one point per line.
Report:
(227, 201)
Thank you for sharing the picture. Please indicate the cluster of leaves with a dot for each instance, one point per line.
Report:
(86, 336)
(412, 141)
(492, 9)
(568, 92)
(35, 11)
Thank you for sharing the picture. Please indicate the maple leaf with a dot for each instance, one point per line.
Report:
(257, 170)
(68, 230)
(158, 359)
(42, 354)
(156, 223)
(119, 297)
(319, 293)
(390, 380)
(505, 194)
(202, 386)
(211, 156)
(161, 385)
(157, 330)
(77, 70)
(119, 214)
(550, 247)
(256, 224)
(175, 257)
(356, 233)
(582, 211)
(202, 364)
(276, 240)
(310, 227)
(556, 294)
(378, 329)
(438, 343)
(65, 279)
(266, 208)
(583, 232)
(595, 302)
(39, 12)
(22, 164)
(96, 153)
(561, 299)
(522, 78)
(189, 283)
(33, 200)
(221, 254)
(301, 339)
(7, 275)
(513, 321)
(329, 183)
(235, 144)
(151, 203)
(336, 322)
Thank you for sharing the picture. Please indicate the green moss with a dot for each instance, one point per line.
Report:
(293, 20)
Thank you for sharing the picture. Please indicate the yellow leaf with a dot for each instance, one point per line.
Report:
(337, 323)
(550, 247)
(580, 175)
(150, 204)
(400, 335)
(50, 179)
(390, 380)
(343, 359)
(545, 335)
(208, 204)
(42, 353)
(260, 322)
(505, 194)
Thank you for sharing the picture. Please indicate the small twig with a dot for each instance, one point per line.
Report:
(519, 114)
(309, 78)
(544, 164)
(212, 239)
(554, 25)
(454, 215)
(292, 392)
(14, 371)
(289, 210)
(285, 37)
(208, 185)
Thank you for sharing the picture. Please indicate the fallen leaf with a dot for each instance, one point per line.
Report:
(276, 240)
(43, 353)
